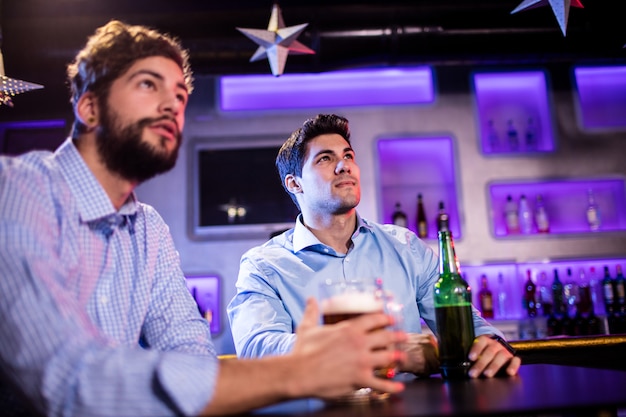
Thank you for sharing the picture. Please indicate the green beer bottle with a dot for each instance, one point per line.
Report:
(453, 310)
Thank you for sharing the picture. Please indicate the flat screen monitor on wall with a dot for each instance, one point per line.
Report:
(235, 190)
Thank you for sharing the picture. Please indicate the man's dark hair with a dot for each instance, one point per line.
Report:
(111, 51)
(291, 155)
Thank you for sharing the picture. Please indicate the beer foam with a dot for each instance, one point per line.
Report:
(352, 303)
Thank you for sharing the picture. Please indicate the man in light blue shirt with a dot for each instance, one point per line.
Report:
(329, 241)
(87, 271)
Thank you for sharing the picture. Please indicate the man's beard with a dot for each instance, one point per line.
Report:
(124, 152)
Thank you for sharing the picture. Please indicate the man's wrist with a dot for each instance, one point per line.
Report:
(504, 343)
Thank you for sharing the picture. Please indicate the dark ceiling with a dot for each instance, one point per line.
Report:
(39, 37)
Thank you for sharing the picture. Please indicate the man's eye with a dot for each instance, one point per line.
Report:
(147, 83)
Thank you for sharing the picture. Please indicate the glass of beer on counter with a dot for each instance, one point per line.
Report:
(344, 299)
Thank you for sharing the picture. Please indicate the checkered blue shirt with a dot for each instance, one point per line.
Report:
(80, 285)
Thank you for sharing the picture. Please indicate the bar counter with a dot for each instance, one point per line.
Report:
(539, 390)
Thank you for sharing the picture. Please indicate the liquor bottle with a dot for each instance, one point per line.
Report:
(558, 306)
(422, 224)
(530, 136)
(545, 295)
(567, 322)
(485, 298)
(530, 297)
(594, 325)
(593, 212)
(399, 217)
(570, 293)
(608, 291)
(554, 325)
(620, 291)
(541, 216)
(453, 311)
(492, 137)
(511, 215)
(442, 216)
(585, 301)
(512, 135)
(596, 292)
(525, 216)
(502, 307)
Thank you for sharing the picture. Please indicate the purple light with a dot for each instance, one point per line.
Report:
(330, 89)
(206, 293)
(33, 124)
(601, 96)
(412, 165)
(518, 97)
(565, 202)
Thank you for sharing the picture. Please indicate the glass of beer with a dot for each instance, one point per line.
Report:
(344, 299)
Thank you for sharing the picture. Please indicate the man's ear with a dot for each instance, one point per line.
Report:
(292, 184)
(87, 110)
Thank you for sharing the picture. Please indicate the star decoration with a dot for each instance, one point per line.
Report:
(277, 41)
(10, 87)
(559, 7)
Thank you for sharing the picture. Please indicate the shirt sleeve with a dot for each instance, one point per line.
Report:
(260, 323)
(52, 355)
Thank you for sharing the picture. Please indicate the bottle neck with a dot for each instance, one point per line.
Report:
(448, 263)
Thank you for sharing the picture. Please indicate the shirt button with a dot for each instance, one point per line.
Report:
(347, 259)
(326, 250)
(103, 299)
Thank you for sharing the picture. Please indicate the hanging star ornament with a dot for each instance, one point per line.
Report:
(10, 87)
(559, 7)
(277, 41)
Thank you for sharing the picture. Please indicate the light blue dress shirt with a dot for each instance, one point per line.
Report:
(80, 285)
(275, 280)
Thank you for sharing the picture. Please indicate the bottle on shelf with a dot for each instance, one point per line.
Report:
(399, 216)
(570, 293)
(525, 216)
(544, 302)
(558, 304)
(541, 215)
(422, 224)
(453, 311)
(608, 292)
(485, 298)
(530, 296)
(596, 291)
(585, 301)
(512, 135)
(593, 212)
(620, 291)
(531, 137)
(511, 215)
(586, 321)
(492, 136)
(502, 307)
(442, 216)
(594, 325)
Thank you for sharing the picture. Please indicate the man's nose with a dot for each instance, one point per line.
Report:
(343, 166)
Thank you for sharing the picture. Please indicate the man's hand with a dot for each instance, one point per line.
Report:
(422, 354)
(336, 359)
(489, 357)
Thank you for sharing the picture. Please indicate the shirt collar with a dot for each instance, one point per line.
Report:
(92, 201)
(304, 238)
